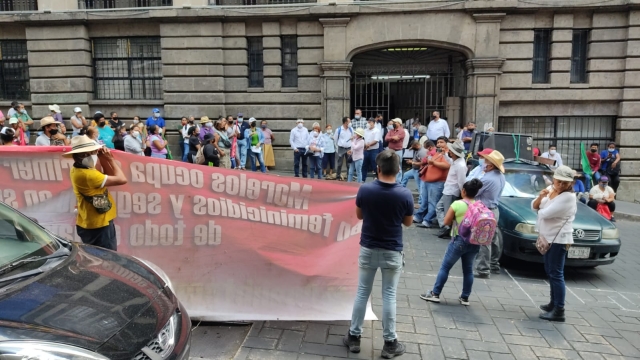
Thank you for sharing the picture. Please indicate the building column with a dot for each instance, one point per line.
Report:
(483, 72)
(60, 69)
(336, 72)
(272, 45)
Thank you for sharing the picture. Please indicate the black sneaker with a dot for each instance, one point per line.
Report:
(546, 308)
(557, 314)
(430, 296)
(481, 275)
(445, 232)
(352, 342)
(392, 349)
(464, 301)
(612, 219)
(495, 271)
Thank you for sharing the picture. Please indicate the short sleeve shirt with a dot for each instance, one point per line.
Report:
(90, 182)
(608, 160)
(418, 156)
(459, 208)
(384, 207)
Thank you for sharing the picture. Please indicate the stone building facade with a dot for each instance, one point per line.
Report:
(563, 71)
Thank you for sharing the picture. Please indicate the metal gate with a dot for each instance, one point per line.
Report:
(406, 82)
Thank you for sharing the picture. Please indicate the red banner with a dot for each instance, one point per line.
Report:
(237, 245)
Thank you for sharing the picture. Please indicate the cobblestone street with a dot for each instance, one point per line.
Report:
(603, 314)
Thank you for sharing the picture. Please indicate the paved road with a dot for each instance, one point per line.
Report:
(603, 310)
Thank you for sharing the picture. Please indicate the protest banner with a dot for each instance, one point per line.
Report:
(236, 245)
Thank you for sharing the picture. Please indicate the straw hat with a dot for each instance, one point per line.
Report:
(47, 120)
(457, 148)
(563, 173)
(81, 144)
(360, 132)
(496, 158)
(55, 108)
(204, 120)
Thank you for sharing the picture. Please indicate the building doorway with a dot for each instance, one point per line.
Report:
(404, 82)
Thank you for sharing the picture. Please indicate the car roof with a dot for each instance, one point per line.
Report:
(525, 166)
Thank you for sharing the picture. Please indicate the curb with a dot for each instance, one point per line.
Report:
(628, 217)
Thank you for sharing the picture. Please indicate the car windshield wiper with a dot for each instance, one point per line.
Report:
(23, 262)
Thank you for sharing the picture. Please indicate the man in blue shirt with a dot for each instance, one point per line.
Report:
(156, 120)
(467, 135)
(383, 206)
(492, 184)
(610, 165)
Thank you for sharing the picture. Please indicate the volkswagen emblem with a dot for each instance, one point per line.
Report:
(579, 233)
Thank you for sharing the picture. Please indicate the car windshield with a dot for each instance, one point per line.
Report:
(20, 238)
(524, 183)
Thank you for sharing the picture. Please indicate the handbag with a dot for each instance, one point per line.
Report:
(100, 202)
(543, 245)
(603, 210)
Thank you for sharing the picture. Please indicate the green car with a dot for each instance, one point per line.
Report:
(596, 239)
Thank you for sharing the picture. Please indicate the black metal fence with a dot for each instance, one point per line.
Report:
(14, 70)
(290, 61)
(259, 2)
(127, 68)
(119, 4)
(18, 5)
(566, 133)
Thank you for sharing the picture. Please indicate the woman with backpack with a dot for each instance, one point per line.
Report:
(459, 247)
(222, 143)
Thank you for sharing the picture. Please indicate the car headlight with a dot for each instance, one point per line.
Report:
(526, 228)
(156, 269)
(37, 350)
(610, 233)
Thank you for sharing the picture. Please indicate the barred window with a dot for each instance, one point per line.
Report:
(256, 62)
(290, 61)
(127, 68)
(18, 5)
(14, 70)
(120, 4)
(541, 44)
(579, 56)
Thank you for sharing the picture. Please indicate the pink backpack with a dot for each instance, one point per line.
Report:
(478, 225)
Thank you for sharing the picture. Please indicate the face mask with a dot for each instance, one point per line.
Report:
(156, 115)
(135, 134)
(115, 118)
(350, 125)
(190, 121)
(329, 131)
(160, 131)
(612, 150)
(593, 150)
(23, 111)
(481, 163)
(457, 131)
(390, 127)
(299, 126)
(90, 161)
(135, 121)
(552, 152)
(101, 123)
(53, 131)
(315, 134)
(357, 117)
(209, 125)
(240, 119)
(263, 126)
(604, 184)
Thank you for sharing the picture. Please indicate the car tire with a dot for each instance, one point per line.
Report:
(504, 259)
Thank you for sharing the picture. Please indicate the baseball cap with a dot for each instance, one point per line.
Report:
(563, 173)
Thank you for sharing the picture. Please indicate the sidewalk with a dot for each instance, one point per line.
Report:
(627, 211)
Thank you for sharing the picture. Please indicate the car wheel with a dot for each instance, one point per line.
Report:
(504, 259)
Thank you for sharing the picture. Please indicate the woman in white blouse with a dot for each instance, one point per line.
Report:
(556, 208)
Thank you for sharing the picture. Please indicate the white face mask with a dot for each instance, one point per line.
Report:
(90, 161)
(390, 127)
(299, 126)
(160, 131)
(208, 124)
(135, 133)
(135, 121)
(552, 152)
(357, 117)
(315, 134)
(329, 131)
(156, 115)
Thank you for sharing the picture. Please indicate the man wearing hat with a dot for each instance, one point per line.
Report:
(96, 208)
(56, 113)
(478, 171)
(78, 121)
(51, 135)
(156, 120)
(206, 127)
(492, 185)
(298, 139)
(456, 178)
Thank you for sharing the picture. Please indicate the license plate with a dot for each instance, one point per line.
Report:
(579, 252)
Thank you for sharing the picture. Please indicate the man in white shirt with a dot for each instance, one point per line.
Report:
(371, 145)
(456, 178)
(78, 121)
(553, 155)
(343, 137)
(51, 135)
(299, 139)
(437, 127)
(379, 126)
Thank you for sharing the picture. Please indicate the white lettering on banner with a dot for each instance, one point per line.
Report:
(176, 204)
(34, 197)
(137, 203)
(163, 174)
(210, 234)
(151, 234)
(37, 169)
(345, 230)
(8, 196)
(294, 195)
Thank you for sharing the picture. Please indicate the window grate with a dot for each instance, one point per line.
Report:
(290, 61)
(579, 56)
(14, 70)
(541, 45)
(259, 2)
(256, 62)
(121, 4)
(18, 5)
(127, 68)
(565, 132)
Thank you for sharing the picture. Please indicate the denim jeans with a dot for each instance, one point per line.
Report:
(490, 254)
(458, 249)
(413, 174)
(434, 192)
(554, 267)
(390, 264)
(369, 163)
(257, 157)
(399, 175)
(597, 176)
(298, 157)
(357, 164)
(421, 213)
(185, 151)
(341, 158)
(443, 206)
(315, 166)
(587, 182)
(241, 147)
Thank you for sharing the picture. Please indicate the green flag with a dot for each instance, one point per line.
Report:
(169, 156)
(586, 168)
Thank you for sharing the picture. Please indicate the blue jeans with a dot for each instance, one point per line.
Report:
(241, 147)
(315, 166)
(458, 249)
(413, 174)
(390, 263)
(258, 157)
(399, 175)
(421, 214)
(369, 163)
(357, 164)
(185, 151)
(554, 267)
(297, 157)
(434, 191)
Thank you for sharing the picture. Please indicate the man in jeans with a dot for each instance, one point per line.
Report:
(343, 137)
(433, 184)
(452, 186)
(492, 185)
(299, 139)
(370, 148)
(419, 153)
(383, 206)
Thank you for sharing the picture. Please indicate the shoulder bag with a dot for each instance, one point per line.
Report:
(543, 245)
(100, 202)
